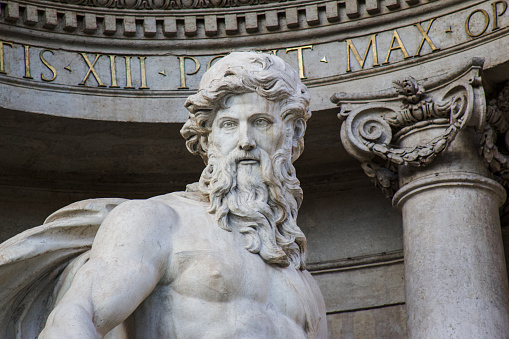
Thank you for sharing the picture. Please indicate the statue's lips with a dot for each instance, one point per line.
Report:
(248, 161)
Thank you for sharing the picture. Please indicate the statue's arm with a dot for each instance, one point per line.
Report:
(128, 259)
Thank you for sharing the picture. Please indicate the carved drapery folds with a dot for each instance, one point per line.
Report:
(374, 123)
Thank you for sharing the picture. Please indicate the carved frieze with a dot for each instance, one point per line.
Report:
(197, 18)
(167, 4)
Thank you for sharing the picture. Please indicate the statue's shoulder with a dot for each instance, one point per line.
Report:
(191, 198)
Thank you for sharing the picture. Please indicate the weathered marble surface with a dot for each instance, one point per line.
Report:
(223, 259)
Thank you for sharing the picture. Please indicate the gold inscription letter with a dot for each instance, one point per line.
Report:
(128, 76)
(496, 14)
(91, 70)
(47, 64)
(351, 46)
(27, 75)
(183, 73)
(214, 58)
(113, 70)
(300, 58)
(2, 62)
(143, 73)
(395, 37)
(486, 22)
(425, 37)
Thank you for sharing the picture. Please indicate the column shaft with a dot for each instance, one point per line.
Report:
(455, 275)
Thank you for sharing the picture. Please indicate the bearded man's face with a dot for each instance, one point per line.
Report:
(250, 124)
(250, 180)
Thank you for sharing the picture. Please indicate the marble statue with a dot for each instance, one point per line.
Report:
(225, 259)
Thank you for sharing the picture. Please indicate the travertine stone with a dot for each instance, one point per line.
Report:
(12, 13)
(62, 162)
(170, 27)
(332, 11)
(365, 286)
(141, 9)
(190, 28)
(455, 275)
(210, 25)
(292, 17)
(271, 20)
(251, 22)
(372, 6)
(31, 16)
(380, 323)
(312, 15)
(90, 23)
(149, 26)
(71, 22)
(230, 23)
(110, 24)
(392, 4)
(456, 279)
(352, 9)
(50, 18)
(129, 26)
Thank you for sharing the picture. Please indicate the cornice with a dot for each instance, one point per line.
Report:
(168, 4)
(361, 262)
(318, 17)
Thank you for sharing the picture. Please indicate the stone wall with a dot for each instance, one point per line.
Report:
(92, 93)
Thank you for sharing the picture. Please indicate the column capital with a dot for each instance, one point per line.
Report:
(374, 124)
(431, 144)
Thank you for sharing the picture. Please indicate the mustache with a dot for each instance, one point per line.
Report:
(239, 155)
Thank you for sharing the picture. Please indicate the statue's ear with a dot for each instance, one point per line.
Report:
(298, 129)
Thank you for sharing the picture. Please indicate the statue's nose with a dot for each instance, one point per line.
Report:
(246, 142)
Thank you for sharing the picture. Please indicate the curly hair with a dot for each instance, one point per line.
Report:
(239, 73)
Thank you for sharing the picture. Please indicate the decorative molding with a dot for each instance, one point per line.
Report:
(373, 123)
(162, 19)
(167, 4)
(367, 261)
(456, 179)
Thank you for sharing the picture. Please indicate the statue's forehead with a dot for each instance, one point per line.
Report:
(250, 103)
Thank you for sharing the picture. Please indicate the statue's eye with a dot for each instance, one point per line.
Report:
(261, 122)
(228, 124)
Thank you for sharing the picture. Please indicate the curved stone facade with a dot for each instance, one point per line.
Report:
(92, 94)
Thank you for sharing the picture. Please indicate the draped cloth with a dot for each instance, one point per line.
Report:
(37, 266)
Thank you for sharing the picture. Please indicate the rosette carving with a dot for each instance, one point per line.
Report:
(372, 127)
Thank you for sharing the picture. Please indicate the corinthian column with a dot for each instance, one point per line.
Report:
(420, 143)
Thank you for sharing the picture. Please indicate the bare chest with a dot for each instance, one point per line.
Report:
(216, 288)
(216, 267)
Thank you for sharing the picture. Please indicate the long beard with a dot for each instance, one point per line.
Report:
(258, 201)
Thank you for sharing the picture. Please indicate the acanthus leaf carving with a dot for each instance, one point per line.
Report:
(383, 178)
(497, 124)
(372, 126)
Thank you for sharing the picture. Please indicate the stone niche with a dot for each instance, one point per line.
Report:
(91, 104)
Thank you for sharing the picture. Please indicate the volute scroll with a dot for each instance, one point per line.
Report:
(373, 124)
